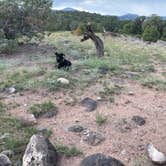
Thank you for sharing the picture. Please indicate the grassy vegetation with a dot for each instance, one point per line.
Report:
(109, 90)
(21, 78)
(15, 138)
(122, 56)
(2, 107)
(100, 119)
(151, 81)
(68, 151)
(40, 109)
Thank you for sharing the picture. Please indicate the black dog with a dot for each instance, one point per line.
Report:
(62, 62)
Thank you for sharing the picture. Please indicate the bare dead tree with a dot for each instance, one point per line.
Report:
(89, 34)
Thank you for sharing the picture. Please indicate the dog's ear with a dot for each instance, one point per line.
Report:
(56, 53)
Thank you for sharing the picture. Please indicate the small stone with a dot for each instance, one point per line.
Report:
(99, 98)
(123, 152)
(5, 135)
(8, 153)
(100, 160)
(89, 103)
(25, 105)
(139, 120)
(103, 70)
(11, 90)
(93, 138)
(63, 81)
(141, 147)
(50, 113)
(27, 120)
(4, 160)
(76, 128)
(155, 155)
(131, 93)
(41, 129)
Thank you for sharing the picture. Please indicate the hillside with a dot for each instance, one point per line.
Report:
(129, 82)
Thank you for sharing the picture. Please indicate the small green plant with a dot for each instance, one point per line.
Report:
(2, 107)
(155, 82)
(100, 119)
(68, 151)
(109, 90)
(14, 143)
(8, 46)
(40, 109)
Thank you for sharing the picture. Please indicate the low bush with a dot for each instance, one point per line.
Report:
(8, 46)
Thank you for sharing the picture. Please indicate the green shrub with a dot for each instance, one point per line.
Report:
(68, 152)
(164, 34)
(40, 109)
(100, 119)
(151, 34)
(2, 107)
(8, 46)
(129, 28)
(2, 36)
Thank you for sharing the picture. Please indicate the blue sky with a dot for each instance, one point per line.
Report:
(116, 7)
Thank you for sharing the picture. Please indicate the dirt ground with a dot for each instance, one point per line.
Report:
(124, 140)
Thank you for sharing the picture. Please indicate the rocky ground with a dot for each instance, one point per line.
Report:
(114, 106)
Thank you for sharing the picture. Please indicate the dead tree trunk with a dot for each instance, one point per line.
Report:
(89, 34)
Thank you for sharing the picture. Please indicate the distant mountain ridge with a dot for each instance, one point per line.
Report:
(128, 16)
(68, 9)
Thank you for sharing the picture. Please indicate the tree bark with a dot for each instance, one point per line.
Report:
(89, 34)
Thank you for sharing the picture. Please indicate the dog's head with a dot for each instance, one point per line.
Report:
(59, 57)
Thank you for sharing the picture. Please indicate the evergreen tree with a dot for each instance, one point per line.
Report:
(151, 33)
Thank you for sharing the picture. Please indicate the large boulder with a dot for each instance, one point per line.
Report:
(4, 160)
(100, 160)
(40, 152)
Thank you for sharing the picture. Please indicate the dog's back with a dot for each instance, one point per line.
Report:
(62, 62)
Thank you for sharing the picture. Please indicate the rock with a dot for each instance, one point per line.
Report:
(89, 103)
(41, 129)
(5, 135)
(11, 90)
(138, 120)
(106, 53)
(27, 120)
(51, 113)
(76, 128)
(4, 160)
(132, 74)
(103, 70)
(101, 160)
(131, 93)
(63, 81)
(40, 152)
(8, 153)
(93, 138)
(99, 98)
(156, 156)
